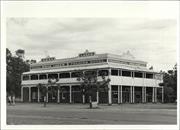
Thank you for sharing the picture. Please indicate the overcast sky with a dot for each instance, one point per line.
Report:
(150, 39)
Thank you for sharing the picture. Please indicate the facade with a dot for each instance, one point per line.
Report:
(131, 80)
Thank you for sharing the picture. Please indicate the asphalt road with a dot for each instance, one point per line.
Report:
(72, 114)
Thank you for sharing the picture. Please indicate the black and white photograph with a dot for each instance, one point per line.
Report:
(92, 65)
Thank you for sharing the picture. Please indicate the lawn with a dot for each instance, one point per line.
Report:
(72, 114)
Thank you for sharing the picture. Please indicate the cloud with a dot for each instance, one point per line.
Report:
(151, 40)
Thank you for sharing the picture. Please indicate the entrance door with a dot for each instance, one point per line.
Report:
(114, 94)
(64, 94)
(76, 94)
(126, 94)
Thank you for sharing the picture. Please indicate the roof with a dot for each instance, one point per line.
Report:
(100, 66)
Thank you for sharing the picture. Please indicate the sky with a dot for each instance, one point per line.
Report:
(149, 38)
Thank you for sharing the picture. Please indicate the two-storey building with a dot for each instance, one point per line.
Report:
(131, 80)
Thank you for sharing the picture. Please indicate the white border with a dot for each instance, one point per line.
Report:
(67, 9)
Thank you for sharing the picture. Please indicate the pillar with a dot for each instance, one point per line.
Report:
(153, 94)
(47, 95)
(70, 94)
(133, 94)
(109, 95)
(130, 94)
(83, 97)
(143, 94)
(118, 94)
(58, 98)
(162, 95)
(38, 93)
(121, 94)
(97, 96)
(21, 93)
(29, 94)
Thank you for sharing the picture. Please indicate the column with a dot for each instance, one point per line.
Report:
(118, 94)
(121, 93)
(83, 97)
(29, 94)
(143, 94)
(109, 95)
(153, 94)
(97, 96)
(47, 95)
(21, 93)
(130, 94)
(133, 94)
(70, 93)
(162, 95)
(38, 93)
(58, 98)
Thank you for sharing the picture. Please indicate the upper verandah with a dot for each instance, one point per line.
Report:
(90, 58)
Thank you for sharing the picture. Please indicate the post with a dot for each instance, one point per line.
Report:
(21, 93)
(97, 96)
(121, 93)
(29, 94)
(153, 94)
(133, 94)
(109, 95)
(155, 90)
(47, 95)
(130, 94)
(38, 93)
(70, 97)
(118, 95)
(83, 97)
(162, 95)
(58, 99)
(143, 94)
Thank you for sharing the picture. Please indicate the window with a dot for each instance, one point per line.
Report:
(34, 77)
(114, 72)
(103, 72)
(25, 77)
(75, 74)
(126, 73)
(138, 74)
(43, 76)
(149, 75)
(52, 76)
(64, 75)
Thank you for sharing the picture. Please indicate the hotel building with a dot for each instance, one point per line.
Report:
(131, 80)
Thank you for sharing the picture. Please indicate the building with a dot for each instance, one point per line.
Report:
(131, 80)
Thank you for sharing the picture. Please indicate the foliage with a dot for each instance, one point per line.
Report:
(15, 66)
(90, 83)
(170, 85)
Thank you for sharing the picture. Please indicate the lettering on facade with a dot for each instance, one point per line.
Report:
(86, 53)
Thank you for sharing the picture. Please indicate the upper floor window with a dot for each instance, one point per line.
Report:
(43, 76)
(75, 74)
(64, 75)
(149, 75)
(126, 73)
(103, 73)
(52, 76)
(114, 72)
(138, 74)
(25, 77)
(34, 77)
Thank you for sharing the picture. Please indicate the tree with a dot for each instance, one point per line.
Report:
(90, 84)
(170, 85)
(20, 53)
(15, 66)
